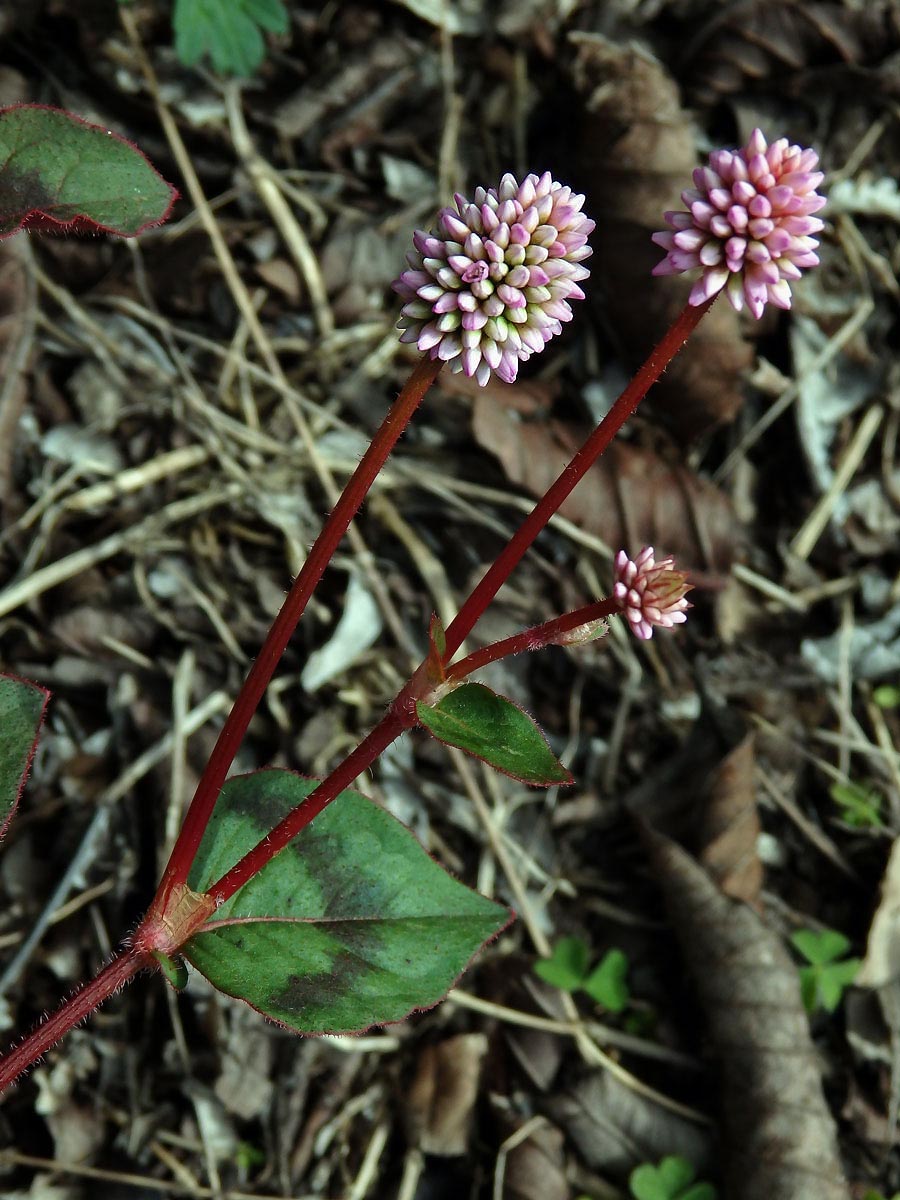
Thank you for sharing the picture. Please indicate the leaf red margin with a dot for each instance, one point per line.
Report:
(323, 1033)
(37, 219)
(29, 758)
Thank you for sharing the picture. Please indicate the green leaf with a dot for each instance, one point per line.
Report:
(269, 14)
(668, 1181)
(352, 925)
(247, 1156)
(700, 1191)
(887, 696)
(173, 969)
(57, 171)
(861, 806)
(227, 30)
(22, 706)
(492, 728)
(820, 946)
(823, 982)
(809, 988)
(567, 966)
(607, 982)
(834, 979)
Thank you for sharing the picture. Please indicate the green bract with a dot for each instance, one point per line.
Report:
(492, 728)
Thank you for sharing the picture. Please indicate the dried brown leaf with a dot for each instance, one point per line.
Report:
(441, 1101)
(750, 44)
(615, 1127)
(332, 97)
(729, 826)
(779, 1136)
(881, 965)
(630, 498)
(535, 1168)
(637, 153)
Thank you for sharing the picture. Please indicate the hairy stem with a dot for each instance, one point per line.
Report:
(390, 727)
(534, 638)
(123, 967)
(401, 714)
(250, 695)
(497, 574)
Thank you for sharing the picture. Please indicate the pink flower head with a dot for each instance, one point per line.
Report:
(749, 224)
(490, 285)
(650, 593)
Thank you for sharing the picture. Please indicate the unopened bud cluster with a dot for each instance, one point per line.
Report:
(491, 284)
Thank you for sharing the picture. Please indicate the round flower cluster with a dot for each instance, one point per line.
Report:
(651, 594)
(490, 285)
(748, 226)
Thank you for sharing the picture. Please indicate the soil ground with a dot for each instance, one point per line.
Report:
(189, 403)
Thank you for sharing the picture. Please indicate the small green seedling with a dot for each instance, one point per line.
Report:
(568, 965)
(247, 1156)
(568, 968)
(607, 983)
(672, 1179)
(823, 981)
(860, 806)
(887, 696)
(229, 31)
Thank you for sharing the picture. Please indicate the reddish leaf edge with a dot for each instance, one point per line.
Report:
(26, 770)
(321, 1033)
(37, 220)
(502, 770)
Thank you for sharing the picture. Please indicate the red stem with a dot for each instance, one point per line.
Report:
(497, 574)
(401, 715)
(250, 695)
(123, 967)
(381, 737)
(533, 639)
(390, 727)
(402, 712)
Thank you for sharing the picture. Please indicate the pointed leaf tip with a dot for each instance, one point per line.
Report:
(492, 728)
(352, 925)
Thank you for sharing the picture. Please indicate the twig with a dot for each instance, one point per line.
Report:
(96, 831)
(832, 347)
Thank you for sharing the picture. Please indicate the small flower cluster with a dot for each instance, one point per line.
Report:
(651, 594)
(749, 224)
(490, 285)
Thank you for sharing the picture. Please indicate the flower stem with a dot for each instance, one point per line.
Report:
(250, 695)
(401, 714)
(123, 967)
(381, 737)
(497, 574)
(533, 639)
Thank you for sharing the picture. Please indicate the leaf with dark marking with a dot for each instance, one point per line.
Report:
(352, 925)
(59, 172)
(22, 707)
